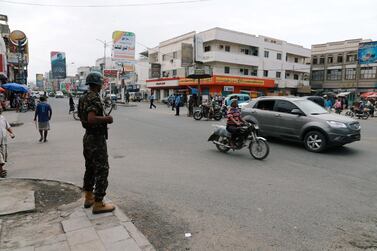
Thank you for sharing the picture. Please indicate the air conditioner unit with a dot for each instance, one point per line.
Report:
(221, 46)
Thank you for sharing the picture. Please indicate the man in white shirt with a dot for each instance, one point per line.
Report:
(4, 128)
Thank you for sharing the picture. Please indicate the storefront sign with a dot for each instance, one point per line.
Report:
(189, 81)
(228, 88)
(110, 73)
(162, 83)
(237, 80)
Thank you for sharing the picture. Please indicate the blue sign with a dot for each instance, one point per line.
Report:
(367, 53)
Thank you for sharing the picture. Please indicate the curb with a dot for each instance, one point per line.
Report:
(124, 220)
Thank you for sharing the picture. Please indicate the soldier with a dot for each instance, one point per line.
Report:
(95, 122)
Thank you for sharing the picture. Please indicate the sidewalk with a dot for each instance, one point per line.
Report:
(35, 216)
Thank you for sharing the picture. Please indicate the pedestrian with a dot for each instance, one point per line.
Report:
(328, 104)
(177, 103)
(191, 106)
(127, 97)
(44, 113)
(4, 127)
(151, 100)
(71, 104)
(93, 119)
(338, 106)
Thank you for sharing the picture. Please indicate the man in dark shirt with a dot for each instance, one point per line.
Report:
(44, 113)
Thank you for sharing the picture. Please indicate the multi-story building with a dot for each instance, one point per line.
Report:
(335, 67)
(240, 62)
(142, 73)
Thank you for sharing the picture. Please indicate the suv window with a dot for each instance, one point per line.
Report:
(285, 106)
(266, 105)
(246, 98)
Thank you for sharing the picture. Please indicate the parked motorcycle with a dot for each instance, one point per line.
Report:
(258, 146)
(206, 113)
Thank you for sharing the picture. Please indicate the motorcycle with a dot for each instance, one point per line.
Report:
(206, 113)
(258, 146)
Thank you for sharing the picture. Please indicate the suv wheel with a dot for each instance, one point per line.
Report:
(315, 141)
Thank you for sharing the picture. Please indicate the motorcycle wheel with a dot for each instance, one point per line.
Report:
(218, 116)
(225, 141)
(259, 149)
(75, 115)
(198, 115)
(365, 116)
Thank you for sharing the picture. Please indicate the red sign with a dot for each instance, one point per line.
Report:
(110, 73)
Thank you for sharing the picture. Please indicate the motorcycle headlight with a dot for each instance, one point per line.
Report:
(336, 124)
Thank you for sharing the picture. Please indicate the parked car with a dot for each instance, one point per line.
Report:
(242, 98)
(300, 119)
(35, 94)
(59, 94)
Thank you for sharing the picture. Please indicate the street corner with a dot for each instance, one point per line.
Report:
(31, 211)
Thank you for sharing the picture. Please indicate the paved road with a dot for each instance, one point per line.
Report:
(171, 181)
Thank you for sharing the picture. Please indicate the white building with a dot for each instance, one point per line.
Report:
(142, 73)
(240, 62)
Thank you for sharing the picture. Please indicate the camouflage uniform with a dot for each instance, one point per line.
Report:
(95, 148)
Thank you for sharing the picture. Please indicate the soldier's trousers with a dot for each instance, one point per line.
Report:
(96, 165)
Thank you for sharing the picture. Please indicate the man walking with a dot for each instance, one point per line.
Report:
(177, 103)
(95, 122)
(4, 127)
(44, 113)
(151, 99)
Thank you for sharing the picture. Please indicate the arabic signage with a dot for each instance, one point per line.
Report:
(123, 46)
(367, 53)
(162, 83)
(230, 81)
(58, 65)
(110, 73)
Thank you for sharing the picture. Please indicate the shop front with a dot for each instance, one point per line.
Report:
(164, 87)
(225, 85)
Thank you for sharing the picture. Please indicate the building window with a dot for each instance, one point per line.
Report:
(174, 54)
(295, 76)
(226, 69)
(368, 72)
(334, 74)
(245, 51)
(278, 74)
(265, 73)
(254, 71)
(164, 57)
(351, 58)
(278, 56)
(330, 60)
(340, 59)
(350, 73)
(207, 48)
(318, 75)
(254, 51)
(174, 73)
(227, 48)
(266, 54)
(321, 60)
(296, 60)
(315, 60)
(245, 71)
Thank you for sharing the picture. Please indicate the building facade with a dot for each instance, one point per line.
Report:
(335, 67)
(240, 62)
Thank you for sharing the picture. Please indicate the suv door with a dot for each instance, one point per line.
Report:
(287, 124)
(264, 113)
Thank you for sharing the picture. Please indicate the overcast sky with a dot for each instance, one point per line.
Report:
(75, 30)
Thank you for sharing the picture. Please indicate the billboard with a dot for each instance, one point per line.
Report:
(39, 80)
(58, 65)
(123, 46)
(199, 50)
(367, 53)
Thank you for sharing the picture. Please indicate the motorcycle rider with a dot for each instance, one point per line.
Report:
(234, 121)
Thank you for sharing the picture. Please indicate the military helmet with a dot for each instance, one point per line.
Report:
(94, 78)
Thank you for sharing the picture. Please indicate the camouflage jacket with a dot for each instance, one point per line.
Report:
(91, 102)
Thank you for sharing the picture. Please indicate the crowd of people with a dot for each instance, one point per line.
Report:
(360, 105)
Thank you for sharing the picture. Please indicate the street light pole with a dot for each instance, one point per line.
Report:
(105, 44)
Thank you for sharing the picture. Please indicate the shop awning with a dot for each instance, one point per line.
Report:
(343, 94)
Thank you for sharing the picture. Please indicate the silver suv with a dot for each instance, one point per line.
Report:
(300, 119)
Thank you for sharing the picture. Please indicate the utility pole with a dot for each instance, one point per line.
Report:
(105, 44)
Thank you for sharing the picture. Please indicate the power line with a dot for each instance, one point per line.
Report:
(104, 5)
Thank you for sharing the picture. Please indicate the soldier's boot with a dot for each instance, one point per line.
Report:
(100, 207)
(89, 199)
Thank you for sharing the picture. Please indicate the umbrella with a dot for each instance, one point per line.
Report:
(2, 89)
(16, 87)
